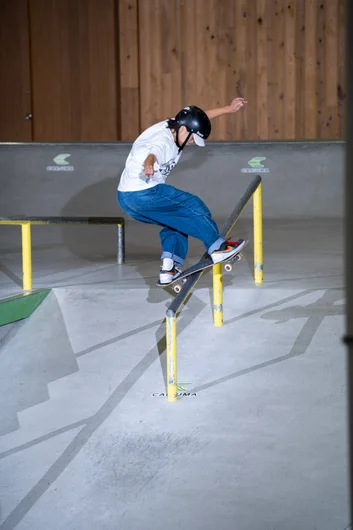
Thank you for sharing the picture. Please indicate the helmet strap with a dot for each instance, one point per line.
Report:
(177, 138)
(185, 142)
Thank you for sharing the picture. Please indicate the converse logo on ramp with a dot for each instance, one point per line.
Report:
(256, 166)
(61, 163)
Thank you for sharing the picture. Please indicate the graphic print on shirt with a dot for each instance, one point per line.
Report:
(166, 168)
(161, 171)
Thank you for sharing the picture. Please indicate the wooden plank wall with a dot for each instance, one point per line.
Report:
(74, 70)
(15, 85)
(130, 126)
(104, 70)
(286, 57)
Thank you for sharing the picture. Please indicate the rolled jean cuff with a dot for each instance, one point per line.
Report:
(177, 260)
(216, 245)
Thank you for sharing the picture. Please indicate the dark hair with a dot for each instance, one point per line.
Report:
(173, 124)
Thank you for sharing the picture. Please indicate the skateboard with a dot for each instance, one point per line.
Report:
(205, 263)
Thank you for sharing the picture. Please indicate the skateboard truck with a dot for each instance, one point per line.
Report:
(177, 287)
(229, 265)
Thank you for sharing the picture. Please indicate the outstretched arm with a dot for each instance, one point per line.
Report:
(236, 104)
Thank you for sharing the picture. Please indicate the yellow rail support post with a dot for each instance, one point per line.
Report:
(217, 295)
(172, 385)
(258, 247)
(26, 256)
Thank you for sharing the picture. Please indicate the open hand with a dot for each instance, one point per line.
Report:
(237, 104)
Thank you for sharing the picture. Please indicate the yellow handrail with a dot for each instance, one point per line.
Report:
(258, 260)
(26, 256)
(217, 295)
(171, 358)
(258, 244)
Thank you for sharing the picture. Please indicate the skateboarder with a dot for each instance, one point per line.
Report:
(144, 195)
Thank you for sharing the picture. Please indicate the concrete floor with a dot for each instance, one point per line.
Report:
(258, 441)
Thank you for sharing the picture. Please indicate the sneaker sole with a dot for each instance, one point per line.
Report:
(224, 255)
(170, 279)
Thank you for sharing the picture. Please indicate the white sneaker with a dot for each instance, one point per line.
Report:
(166, 277)
(227, 249)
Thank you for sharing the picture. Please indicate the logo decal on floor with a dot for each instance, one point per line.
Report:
(181, 391)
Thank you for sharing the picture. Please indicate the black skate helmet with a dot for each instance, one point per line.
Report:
(197, 123)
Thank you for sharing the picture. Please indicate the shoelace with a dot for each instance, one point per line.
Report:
(233, 243)
(174, 270)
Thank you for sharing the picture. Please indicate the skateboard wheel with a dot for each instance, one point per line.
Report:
(177, 288)
(228, 267)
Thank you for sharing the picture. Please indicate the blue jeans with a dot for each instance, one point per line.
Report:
(181, 214)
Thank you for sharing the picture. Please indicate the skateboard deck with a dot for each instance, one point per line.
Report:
(199, 266)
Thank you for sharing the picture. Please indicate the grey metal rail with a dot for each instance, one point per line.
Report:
(67, 220)
(224, 232)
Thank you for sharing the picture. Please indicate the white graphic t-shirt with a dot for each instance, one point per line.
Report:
(159, 141)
